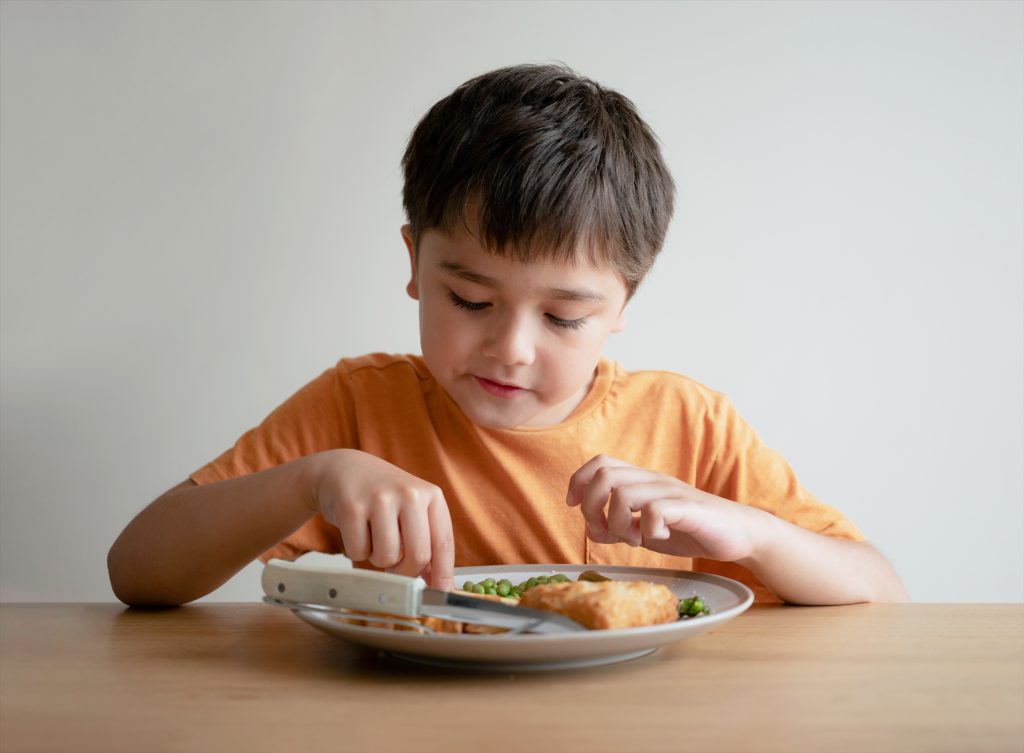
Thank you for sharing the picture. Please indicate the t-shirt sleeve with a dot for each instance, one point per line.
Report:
(318, 417)
(745, 470)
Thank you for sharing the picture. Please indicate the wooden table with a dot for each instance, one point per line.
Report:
(249, 677)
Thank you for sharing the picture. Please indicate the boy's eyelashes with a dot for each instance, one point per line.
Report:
(462, 303)
(567, 323)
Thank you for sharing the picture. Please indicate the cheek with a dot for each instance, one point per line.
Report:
(574, 364)
(441, 332)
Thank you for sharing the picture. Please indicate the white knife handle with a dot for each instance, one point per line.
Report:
(366, 590)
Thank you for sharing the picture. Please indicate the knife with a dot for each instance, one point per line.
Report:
(294, 584)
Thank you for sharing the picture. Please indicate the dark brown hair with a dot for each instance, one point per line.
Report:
(553, 165)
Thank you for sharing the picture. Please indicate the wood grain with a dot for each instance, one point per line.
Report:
(248, 677)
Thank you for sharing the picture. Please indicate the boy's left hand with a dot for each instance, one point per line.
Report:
(674, 517)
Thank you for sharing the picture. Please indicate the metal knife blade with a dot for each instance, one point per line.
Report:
(463, 608)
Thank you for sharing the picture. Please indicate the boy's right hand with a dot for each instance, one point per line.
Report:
(393, 519)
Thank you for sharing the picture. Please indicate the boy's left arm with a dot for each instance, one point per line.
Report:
(803, 567)
(799, 566)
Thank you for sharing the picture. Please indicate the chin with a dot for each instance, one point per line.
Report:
(491, 421)
(493, 417)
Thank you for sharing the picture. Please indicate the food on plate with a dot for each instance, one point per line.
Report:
(595, 601)
(606, 605)
(438, 625)
(692, 607)
(490, 587)
(466, 627)
(504, 586)
(387, 621)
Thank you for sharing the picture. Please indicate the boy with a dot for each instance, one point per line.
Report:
(537, 201)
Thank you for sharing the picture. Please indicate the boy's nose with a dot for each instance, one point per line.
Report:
(511, 342)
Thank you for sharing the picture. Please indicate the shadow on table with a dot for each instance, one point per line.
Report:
(258, 638)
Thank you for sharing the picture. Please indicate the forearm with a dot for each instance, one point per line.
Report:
(194, 538)
(802, 567)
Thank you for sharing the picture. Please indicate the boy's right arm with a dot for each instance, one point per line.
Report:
(194, 538)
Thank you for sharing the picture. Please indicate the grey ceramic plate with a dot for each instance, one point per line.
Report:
(725, 597)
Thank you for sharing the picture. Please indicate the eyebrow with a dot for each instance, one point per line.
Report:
(562, 294)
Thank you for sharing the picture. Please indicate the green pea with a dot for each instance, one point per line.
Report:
(531, 583)
(468, 585)
(503, 588)
(515, 593)
(558, 578)
(478, 589)
(542, 579)
(491, 591)
(693, 607)
(489, 583)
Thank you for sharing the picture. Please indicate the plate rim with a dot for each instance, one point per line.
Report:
(742, 591)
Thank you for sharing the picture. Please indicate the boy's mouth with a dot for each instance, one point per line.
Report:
(497, 388)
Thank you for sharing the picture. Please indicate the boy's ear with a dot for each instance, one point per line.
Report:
(413, 287)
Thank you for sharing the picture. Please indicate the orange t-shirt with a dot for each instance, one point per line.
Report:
(506, 488)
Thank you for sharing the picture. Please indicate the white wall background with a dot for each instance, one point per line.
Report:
(200, 212)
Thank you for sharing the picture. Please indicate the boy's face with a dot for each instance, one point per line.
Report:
(514, 344)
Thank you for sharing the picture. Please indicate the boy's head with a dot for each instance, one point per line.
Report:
(538, 162)
(537, 202)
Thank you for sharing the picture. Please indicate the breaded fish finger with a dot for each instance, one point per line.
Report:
(606, 605)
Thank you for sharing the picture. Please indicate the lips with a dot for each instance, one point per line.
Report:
(499, 389)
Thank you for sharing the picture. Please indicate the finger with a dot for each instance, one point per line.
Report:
(620, 519)
(442, 545)
(605, 481)
(414, 529)
(355, 536)
(384, 536)
(630, 498)
(602, 537)
(581, 478)
(654, 518)
(425, 574)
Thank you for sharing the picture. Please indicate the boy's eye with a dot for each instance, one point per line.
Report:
(567, 323)
(462, 303)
